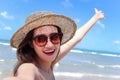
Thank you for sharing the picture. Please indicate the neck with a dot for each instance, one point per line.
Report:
(44, 66)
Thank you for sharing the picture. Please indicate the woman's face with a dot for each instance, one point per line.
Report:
(45, 48)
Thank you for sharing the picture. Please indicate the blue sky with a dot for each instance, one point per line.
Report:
(105, 35)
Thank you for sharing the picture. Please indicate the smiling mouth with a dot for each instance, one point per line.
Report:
(50, 52)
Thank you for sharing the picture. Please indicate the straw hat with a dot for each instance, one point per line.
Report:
(38, 19)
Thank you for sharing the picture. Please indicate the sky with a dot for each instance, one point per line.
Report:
(104, 35)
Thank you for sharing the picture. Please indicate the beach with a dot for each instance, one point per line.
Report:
(77, 65)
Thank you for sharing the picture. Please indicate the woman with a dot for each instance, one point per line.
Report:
(43, 41)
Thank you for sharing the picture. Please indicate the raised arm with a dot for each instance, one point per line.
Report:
(80, 33)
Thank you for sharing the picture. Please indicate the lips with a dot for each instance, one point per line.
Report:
(50, 52)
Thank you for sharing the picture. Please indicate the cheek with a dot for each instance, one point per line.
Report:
(37, 48)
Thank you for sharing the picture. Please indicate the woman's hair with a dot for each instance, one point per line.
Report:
(25, 52)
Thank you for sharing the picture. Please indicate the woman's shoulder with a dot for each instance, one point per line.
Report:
(30, 68)
(27, 64)
(34, 69)
(27, 67)
(26, 71)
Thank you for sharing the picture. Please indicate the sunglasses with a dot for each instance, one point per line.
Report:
(41, 40)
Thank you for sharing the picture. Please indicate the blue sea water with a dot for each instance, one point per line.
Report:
(77, 65)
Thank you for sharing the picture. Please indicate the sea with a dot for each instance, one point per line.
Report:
(79, 64)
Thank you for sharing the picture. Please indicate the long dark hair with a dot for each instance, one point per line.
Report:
(25, 52)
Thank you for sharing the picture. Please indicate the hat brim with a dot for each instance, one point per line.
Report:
(67, 25)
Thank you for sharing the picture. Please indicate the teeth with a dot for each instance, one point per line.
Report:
(49, 51)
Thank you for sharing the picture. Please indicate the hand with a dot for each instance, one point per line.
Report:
(98, 14)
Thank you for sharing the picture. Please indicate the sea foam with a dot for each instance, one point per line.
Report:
(2, 43)
(80, 75)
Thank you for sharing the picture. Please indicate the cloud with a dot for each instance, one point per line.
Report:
(1, 23)
(101, 24)
(67, 3)
(3, 26)
(7, 28)
(5, 14)
(116, 42)
(77, 20)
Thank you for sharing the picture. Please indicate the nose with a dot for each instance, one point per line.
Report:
(49, 44)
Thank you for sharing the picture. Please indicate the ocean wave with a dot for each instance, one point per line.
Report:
(14, 49)
(2, 60)
(86, 61)
(96, 53)
(93, 63)
(101, 66)
(113, 66)
(80, 75)
(105, 54)
(111, 55)
(117, 66)
(109, 66)
(0, 73)
(3, 43)
(68, 74)
(76, 51)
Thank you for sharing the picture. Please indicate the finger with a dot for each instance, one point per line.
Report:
(100, 11)
(95, 10)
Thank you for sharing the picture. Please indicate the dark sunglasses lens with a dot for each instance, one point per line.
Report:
(41, 40)
(55, 38)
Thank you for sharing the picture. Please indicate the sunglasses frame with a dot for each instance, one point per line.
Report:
(55, 38)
